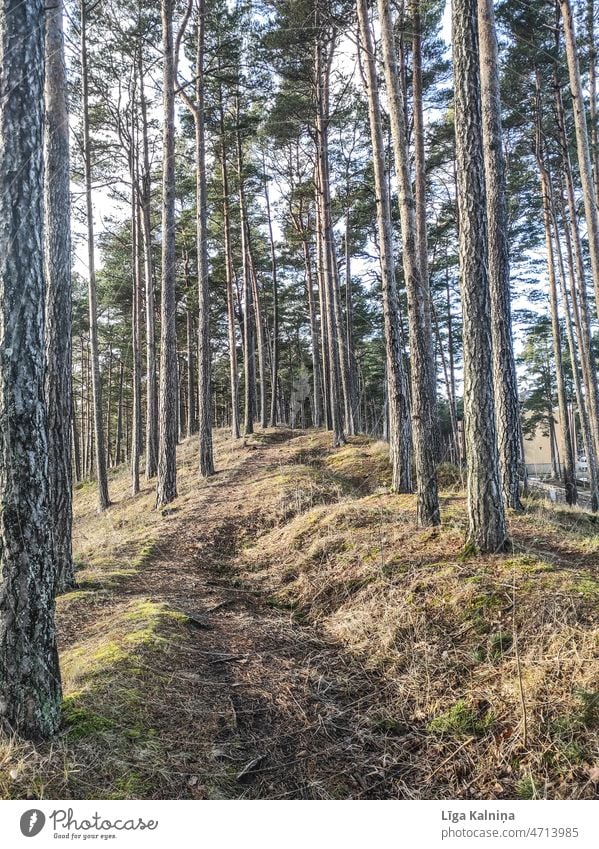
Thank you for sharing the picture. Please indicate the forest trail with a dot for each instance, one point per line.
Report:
(254, 704)
(283, 630)
(266, 702)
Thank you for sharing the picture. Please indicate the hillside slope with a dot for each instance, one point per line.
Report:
(284, 630)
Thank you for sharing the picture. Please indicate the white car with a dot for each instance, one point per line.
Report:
(582, 469)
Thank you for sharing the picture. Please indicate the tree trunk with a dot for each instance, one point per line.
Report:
(166, 489)
(349, 327)
(577, 269)
(82, 396)
(191, 401)
(593, 95)
(487, 529)
(420, 202)
(249, 319)
(151, 390)
(135, 339)
(507, 408)
(447, 379)
(399, 405)
(99, 450)
(424, 414)
(580, 315)
(233, 375)
(320, 274)
(581, 355)
(569, 469)
(58, 384)
(260, 331)
(118, 452)
(327, 252)
(76, 444)
(274, 358)
(109, 402)
(204, 407)
(30, 691)
(582, 141)
(587, 439)
(316, 370)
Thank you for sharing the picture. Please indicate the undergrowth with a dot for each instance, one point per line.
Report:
(453, 676)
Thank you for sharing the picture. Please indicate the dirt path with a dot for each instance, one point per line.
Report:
(185, 678)
(263, 706)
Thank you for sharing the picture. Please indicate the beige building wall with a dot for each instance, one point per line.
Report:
(537, 451)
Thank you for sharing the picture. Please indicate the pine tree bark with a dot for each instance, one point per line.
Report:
(30, 690)
(99, 445)
(568, 471)
(145, 199)
(118, 451)
(582, 350)
(249, 315)
(324, 335)
(274, 359)
(190, 388)
(424, 409)
(76, 445)
(487, 528)
(58, 383)
(206, 450)
(349, 327)
(593, 95)
(587, 438)
(135, 340)
(507, 408)
(326, 247)
(582, 141)
(420, 200)
(109, 405)
(197, 109)
(166, 489)
(576, 266)
(230, 281)
(316, 367)
(397, 383)
(260, 330)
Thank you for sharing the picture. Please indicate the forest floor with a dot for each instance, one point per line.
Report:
(283, 630)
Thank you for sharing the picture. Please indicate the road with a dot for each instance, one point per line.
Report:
(557, 494)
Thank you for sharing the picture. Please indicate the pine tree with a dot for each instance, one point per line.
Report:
(167, 410)
(30, 690)
(57, 255)
(487, 529)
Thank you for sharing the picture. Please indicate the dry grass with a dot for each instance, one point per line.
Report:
(443, 632)
(349, 654)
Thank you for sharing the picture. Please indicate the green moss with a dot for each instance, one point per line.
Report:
(145, 553)
(105, 580)
(461, 721)
(468, 551)
(151, 614)
(588, 587)
(74, 595)
(80, 721)
(132, 785)
(108, 654)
